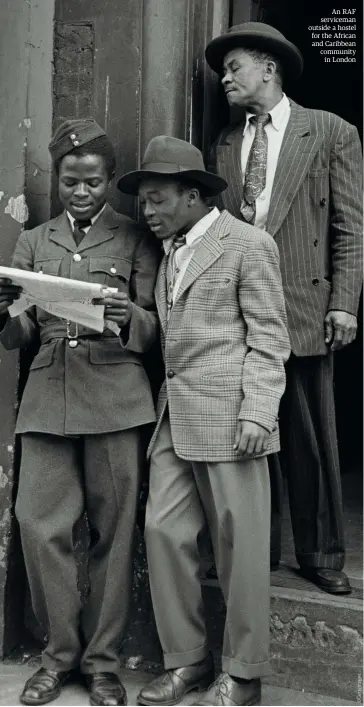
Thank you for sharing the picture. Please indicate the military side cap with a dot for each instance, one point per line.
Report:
(72, 134)
(170, 157)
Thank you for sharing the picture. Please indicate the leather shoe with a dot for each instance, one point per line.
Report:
(229, 691)
(106, 689)
(44, 686)
(331, 581)
(173, 685)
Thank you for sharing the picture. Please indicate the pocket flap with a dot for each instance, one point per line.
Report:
(110, 352)
(49, 266)
(111, 266)
(44, 357)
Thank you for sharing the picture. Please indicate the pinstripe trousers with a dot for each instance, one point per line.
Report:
(310, 462)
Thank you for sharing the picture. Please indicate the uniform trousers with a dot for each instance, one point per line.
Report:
(234, 499)
(60, 478)
(309, 460)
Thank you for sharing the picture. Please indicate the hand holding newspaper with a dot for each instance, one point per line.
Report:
(65, 298)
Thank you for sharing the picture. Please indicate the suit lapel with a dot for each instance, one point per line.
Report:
(228, 155)
(161, 293)
(207, 252)
(300, 143)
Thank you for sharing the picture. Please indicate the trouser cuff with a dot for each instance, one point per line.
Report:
(247, 671)
(182, 660)
(334, 561)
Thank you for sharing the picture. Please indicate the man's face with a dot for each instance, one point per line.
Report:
(243, 78)
(165, 206)
(82, 185)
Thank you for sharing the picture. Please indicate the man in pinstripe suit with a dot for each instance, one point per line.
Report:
(224, 340)
(299, 179)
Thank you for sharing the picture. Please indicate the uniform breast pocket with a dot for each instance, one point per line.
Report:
(48, 266)
(111, 271)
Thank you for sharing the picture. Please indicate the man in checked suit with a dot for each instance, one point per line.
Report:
(296, 172)
(224, 339)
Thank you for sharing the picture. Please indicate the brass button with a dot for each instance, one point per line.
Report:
(76, 143)
(315, 281)
(170, 374)
(113, 271)
(77, 257)
(73, 136)
(73, 343)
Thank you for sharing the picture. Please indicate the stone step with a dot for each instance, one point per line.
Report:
(316, 638)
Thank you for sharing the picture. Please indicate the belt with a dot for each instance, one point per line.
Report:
(71, 331)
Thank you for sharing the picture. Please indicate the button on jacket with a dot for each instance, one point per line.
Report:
(98, 385)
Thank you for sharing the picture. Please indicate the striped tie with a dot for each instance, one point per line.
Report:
(172, 271)
(256, 168)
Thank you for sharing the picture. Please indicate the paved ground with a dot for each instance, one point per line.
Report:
(13, 676)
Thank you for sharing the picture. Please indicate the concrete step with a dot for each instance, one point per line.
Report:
(316, 638)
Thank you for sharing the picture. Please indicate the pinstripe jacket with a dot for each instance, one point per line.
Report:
(315, 216)
(226, 342)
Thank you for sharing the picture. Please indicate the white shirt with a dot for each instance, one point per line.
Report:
(275, 131)
(183, 255)
(94, 218)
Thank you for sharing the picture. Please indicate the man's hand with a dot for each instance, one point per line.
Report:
(8, 293)
(117, 308)
(340, 329)
(250, 438)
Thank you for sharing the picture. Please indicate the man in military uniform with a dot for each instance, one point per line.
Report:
(81, 419)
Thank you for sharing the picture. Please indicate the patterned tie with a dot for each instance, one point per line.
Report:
(78, 232)
(172, 272)
(256, 168)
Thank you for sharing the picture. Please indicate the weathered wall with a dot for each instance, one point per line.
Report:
(25, 110)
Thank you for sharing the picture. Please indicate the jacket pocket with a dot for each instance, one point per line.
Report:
(44, 357)
(49, 266)
(110, 270)
(110, 352)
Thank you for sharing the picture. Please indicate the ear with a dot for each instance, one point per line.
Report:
(193, 196)
(270, 70)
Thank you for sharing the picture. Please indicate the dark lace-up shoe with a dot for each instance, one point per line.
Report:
(44, 686)
(106, 689)
(173, 685)
(229, 691)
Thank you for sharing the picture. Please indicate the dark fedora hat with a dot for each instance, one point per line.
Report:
(169, 156)
(256, 35)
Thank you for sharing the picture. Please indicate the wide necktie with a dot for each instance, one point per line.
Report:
(256, 168)
(78, 232)
(172, 272)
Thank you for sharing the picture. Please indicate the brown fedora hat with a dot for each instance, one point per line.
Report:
(172, 157)
(256, 35)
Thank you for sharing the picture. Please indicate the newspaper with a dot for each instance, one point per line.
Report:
(69, 299)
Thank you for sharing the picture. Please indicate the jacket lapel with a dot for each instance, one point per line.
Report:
(228, 155)
(161, 293)
(100, 231)
(60, 232)
(300, 143)
(207, 252)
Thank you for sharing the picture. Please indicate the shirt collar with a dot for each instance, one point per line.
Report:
(198, 230)
(94, 218)
(277, 114)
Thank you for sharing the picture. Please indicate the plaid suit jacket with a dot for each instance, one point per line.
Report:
(226, 342)
(315, 216)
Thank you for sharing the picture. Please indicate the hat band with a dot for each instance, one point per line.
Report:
(169, 167)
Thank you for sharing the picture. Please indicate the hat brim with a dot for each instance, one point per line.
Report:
(129, 183)
(290, 56)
